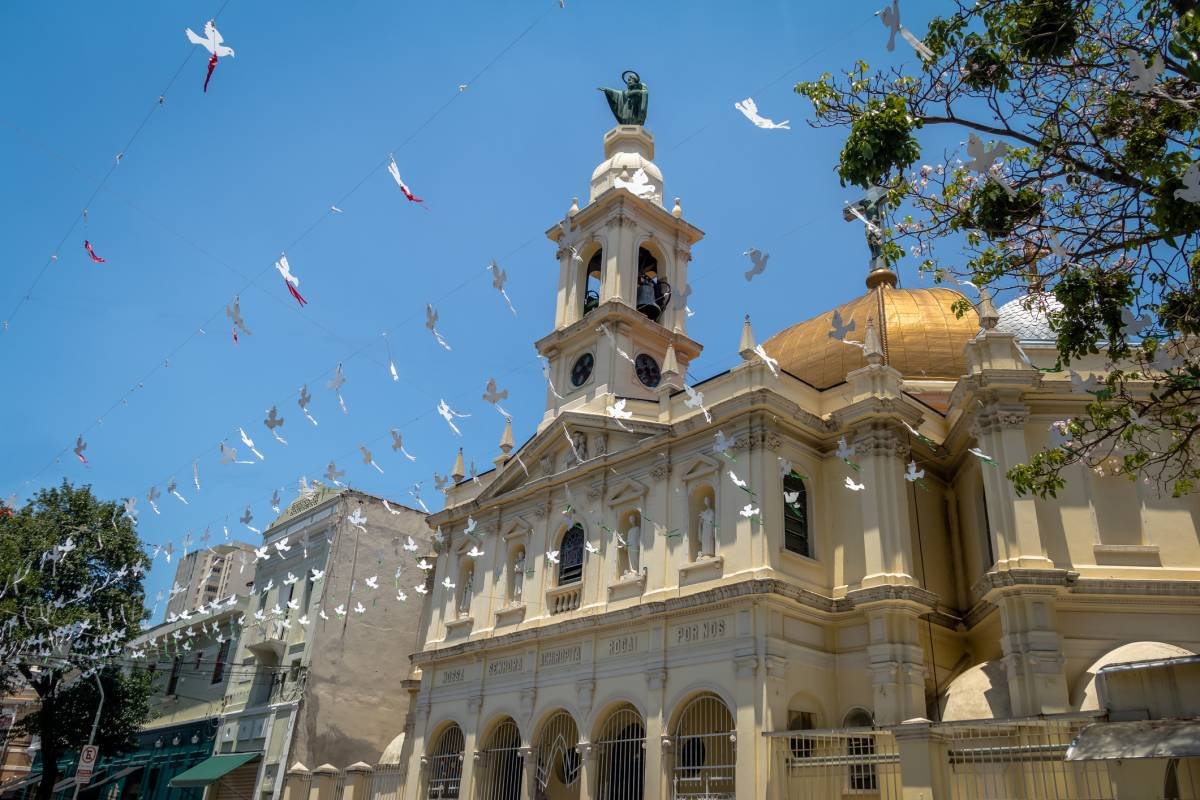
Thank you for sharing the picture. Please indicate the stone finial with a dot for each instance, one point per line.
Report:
(574, 209)
(459, 471)
(298, 769)
(670, 362)
(988, 315)
(872, 347)
(506, 443)
(746, 345)
(677, 211)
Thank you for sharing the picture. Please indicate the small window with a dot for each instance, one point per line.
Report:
(795, 516)
(861, 750)
(570, 557)
(219, 667)
(802, 747)
(591, 288)
(173, 681)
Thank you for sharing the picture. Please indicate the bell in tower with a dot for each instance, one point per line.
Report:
(622, 258)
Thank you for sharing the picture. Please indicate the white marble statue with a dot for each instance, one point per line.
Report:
(633, 546)
(708, 522)
(468, 591)
(518, 578)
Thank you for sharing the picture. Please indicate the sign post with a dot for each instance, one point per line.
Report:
(87, 764)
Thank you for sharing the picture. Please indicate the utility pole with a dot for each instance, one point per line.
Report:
(95, 725)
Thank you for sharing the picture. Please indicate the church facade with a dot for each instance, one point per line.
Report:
(821, 538)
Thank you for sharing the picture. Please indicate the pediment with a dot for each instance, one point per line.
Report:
(701, 467)
(515, 530)
(625, 492)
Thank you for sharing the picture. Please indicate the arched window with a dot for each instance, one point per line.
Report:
(619, 752)
(705, 750)
(500, 762)
(795, 515)
(558, 762)
(570, 556)
(445, 764)
(591, 283)
(861, 752)
(653, 291)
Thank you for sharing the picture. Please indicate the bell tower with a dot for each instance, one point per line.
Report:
(620, 322)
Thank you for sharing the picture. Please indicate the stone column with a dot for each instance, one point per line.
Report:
(1017, 543)
(746, 738)
(656, 760)
(896, 660)
(324, 783)
(922, 760)
(1033, 653)
(470, 743)
(887, 535)
(358, 781)
(587, 770)
(296, 782)
(569, 307)
(529, 762)
(774, 693)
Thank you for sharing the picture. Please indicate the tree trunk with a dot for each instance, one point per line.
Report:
(46, 729)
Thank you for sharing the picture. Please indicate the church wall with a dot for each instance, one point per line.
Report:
(972, 516)
(844, 522)
(933, 565)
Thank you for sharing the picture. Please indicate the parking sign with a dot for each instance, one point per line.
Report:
(87, 763)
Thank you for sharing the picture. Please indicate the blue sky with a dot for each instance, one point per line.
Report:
(215, 185)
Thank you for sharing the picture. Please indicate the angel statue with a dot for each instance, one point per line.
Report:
(629, 106)
(870, 211)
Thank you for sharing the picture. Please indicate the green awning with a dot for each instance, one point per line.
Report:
(212, 770)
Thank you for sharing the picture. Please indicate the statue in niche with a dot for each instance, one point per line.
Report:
(579, 440)
(633, 546)
(518, 577)
(707, 538)
(468, 592)
(629, 105)
(871, 209)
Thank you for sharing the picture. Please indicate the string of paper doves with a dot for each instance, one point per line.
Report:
(74, 641)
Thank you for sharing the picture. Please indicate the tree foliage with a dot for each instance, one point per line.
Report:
(1092, 201)
(71, 577)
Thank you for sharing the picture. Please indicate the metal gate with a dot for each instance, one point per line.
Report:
(620, 756)
(500, 763)
(558, 761)
(445, 765)
(705, 751)
(834, 763)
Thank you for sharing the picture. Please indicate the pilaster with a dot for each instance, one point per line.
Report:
(746, 738)
(896, 660)
(887, 536)
(656, 761)
(1033, 655)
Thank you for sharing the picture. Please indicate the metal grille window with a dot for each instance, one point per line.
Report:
(500, 763)
(570, 557)
(705, 751)
(445, 764)
(222, 657)
(558, 762)
(621, 756)
(173, 681)
(795, 516)
(861, 750)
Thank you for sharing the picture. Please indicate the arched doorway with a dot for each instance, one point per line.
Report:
(556, 774)
(500, 763)
(444, 766)
(620, 756)
(705, 751)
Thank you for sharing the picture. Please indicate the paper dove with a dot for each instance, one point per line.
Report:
(395, 172)
(91, 252)
(1191, 185)
(262, 553)
(131, 509)
(275, 501)
(431, 319)
(441, 482)
(854, 487)
(229, 455)
(791, 498)
(80, 446)
(1090, 384)
(373, 582)
(639, 185)
(410, 545)
(340, 610)
(321, 613)
(398, 444)
(1131, 325)
(358, 520)
(390, 510)
(401, 596)
(750, 109)
(494, 395)
(214, 43)
(234, 312)
(289, 280)
(1145, 74)
(246, 518)
(738, 482)
(696, 400)
(359, 609)
(982, 456)
(721, 444)
(772, 364)
(173, 489)
(759, 259)
(891, 20)
(499, 276)
(151, 497)
(546, 374)
(336, 383)
(474, 552)
(317, 574)
(196, 473)
(304, 620)
(415, 493)
(447, 583)
(984, 158)
(590, 548)
(424, 565)
(749, 511)
(304, 399)
(246, 440)
(369, 459)
(552, 556)
(282, 545)
(420, 589)
(617, 412)
(448, 414)
(333, 474)
(273, 421)
(839, 329)
(912, 474)
(565, 227)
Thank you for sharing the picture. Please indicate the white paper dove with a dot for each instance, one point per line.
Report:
(844, 451)
(214, 43)
(398, 444)
(401, 596)
(639, 184)
(772, 364)
(196, 473)
(336, 382)
(131, 512)
(750, 110)
(395, 173)
(173, 489)
(332, 473)
(246, 440)
(424, 565)
(546, 374)
(275, 501)
(262, 553)
(749, 510)
(591, 548)
(552, 556)
(891, 20)
(289, 280)
(234, 312)
(151, 497)
(273, 422)
(474, 552)
(420, 589)
(248, 517)
(410, 545)
(431, 319)
(317, 574)
(229, 455)
(282, 545)
(390, 510)
(340, 610)
(982, 456)
(839, 329)
(1145, 74)
(912, 474)
(358, 520)
(617, 412)
(449, 414)
(494, 395)
(80, 446)
(303, 400)
(369, 459)
(1191, 185)
(722, 444)
(759, 259)
(854, 487)
(695, 399)
(447, 583)
(373, 582)
(499, 276)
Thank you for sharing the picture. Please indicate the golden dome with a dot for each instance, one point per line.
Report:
(920, 334)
